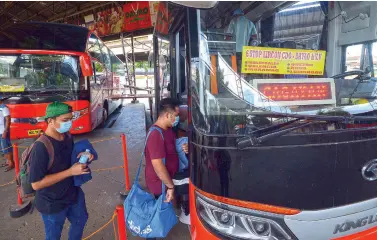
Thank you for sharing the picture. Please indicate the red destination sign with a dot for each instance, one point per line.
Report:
(296, 91)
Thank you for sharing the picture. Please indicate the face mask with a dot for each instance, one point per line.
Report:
(175, 123)
(64, 127)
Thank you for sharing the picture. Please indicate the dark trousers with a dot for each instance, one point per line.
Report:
(77, 216)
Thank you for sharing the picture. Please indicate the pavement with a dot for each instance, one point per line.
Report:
(102, 192)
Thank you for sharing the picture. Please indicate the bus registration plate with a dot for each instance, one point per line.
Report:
(34, 132)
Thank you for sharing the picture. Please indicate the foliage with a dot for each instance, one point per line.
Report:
(142, 64)
(3, 70)
(98, 67)
(334, 112)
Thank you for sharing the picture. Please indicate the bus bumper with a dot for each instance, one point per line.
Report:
(198, 231)
(350, 222)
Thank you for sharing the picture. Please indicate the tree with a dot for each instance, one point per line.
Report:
(98, 67)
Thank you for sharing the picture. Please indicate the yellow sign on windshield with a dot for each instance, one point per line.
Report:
(264, 60)
(9, 88)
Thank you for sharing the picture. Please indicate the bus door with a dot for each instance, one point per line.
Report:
(180, 70)
(105, 59)
(96, 96)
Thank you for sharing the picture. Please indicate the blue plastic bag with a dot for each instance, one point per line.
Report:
(145, 216)
(183, 161)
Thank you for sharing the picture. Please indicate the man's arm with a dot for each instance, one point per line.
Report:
(6, 114)
(162, 172)
(7, 126)
(51, 179)
(39, 175)
(7, 123)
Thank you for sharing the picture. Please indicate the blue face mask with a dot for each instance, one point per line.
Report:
(176, 121)
(64, 127)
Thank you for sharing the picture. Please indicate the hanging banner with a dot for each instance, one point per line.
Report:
(162, 22)
(137, 16)
(107, 22)
(129, 17)
(263, 60)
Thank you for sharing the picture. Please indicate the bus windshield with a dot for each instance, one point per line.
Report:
(252, 66)
(31, 73)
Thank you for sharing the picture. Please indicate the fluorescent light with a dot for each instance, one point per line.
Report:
(300, 8)
(303, 2)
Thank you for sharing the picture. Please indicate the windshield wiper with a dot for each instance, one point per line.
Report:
(256, 138)
(250, 141)
(42, 93)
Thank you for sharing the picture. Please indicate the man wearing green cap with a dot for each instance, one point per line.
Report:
(56, 196)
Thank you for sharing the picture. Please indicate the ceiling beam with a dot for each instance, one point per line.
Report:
(299, 34)
(252, 6)
(6, 7)
(27, 19)
(53, 9)
(73, 12)
(233, 6)
(13, 16)
(28, 9)
(296, 26)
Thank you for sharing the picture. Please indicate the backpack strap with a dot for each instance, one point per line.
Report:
(151, 129)
(50, 149)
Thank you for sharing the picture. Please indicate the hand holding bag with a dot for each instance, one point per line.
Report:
(145, 216)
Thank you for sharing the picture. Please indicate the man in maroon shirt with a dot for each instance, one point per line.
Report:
(158, 148)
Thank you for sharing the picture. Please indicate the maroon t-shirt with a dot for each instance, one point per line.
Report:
(158, 148)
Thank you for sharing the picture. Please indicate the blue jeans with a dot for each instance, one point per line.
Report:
(77, 216)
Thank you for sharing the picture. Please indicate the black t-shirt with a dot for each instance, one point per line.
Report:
(57, 197)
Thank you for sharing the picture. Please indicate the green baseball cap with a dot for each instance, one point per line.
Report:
(56, 109)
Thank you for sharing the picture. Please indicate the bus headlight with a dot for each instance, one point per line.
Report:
(234, 222)
(78, 114)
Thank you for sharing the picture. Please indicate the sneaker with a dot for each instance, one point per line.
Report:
(183, 218)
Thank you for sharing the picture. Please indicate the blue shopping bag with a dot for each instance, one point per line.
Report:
(183, 161)
(145, 216)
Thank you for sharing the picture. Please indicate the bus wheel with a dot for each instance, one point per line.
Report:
(105, 115)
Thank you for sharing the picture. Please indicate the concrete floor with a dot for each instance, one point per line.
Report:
(102, 193)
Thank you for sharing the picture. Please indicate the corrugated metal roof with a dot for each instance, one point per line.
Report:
(300, 23)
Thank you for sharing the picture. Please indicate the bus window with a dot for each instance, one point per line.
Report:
(353, 57)
(117, 68)
(374, 58)
(99, 71)
(181, 65)
(164, 68)
(94, 48)
(105, 56)
(116, 65)
(40, 72)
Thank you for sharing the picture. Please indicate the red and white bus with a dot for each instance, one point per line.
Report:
(45, 62)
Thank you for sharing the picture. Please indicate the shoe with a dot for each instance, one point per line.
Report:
(183, 218)
(9, 168)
